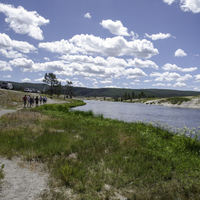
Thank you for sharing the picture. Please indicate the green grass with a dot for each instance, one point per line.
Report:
(98, 158)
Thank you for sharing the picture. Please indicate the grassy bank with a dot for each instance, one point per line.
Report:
(90, 157)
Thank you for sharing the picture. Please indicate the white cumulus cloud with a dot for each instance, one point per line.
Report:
(11, 54)
(23, 21)
(178, 84)
(197, 77)
(169, 1)
(184, 78)
(190, 5)
(87, 15)
(25, 64)
(166, 76)
(173, 67)
(26, 80)
(158, 36)
(142, 64)
(115, 28)
(91, 45)
(7, 43)
(4, 66)
(180, 53)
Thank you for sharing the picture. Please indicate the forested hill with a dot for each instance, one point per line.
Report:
(111, 92)
(114, 92)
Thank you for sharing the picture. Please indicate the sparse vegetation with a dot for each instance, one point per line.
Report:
(175, 100)
(95, 158)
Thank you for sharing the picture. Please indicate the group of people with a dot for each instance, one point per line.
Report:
(30, 101)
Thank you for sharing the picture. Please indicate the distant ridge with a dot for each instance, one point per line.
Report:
(113, 92)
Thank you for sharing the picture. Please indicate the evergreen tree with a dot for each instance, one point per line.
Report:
(51, 80)
(133, 95)
(58, 89)
(69, 88)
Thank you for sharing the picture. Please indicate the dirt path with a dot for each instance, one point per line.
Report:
(22, 181)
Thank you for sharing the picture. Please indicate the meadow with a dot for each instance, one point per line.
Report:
(91, 157)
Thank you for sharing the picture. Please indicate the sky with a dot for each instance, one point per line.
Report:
(136, 44)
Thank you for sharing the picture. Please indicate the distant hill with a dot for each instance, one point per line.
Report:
(112, 92)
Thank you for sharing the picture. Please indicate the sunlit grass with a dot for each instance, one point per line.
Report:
(98, 158)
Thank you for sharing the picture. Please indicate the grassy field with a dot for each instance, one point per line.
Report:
(89, 157)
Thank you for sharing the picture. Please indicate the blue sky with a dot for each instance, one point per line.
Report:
(103, 43)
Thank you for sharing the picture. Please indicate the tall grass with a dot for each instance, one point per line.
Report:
(97, 158)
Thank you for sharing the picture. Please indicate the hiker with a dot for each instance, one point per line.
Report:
(41, 98)
(25, 101)
(45, 99)
(29, 98)
(36, 101)
(33, 101)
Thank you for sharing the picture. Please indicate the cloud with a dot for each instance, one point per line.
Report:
(142, 64)
(197, 88)
(91, 45)
(135, 73)
(159, 84)
(39, 80)
(8, 76)
(169, 2)
(190, 5)
(147, 81)
(158, 36)
(187, 5)
(106, 82)
(87, 15)
(115, 28)
(184, 78)
(167, 76)
(180, 53)
(26, 80)
(116, 46)
(178, 84)
(173, 67)
(197, 77)
(112, 86)
(7, 43)
(4, 66)
(25, 64)
(62, 47)
(11, 54)
(47, 59)
(23, 21)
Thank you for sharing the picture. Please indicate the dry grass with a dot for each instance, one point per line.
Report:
(10, 99)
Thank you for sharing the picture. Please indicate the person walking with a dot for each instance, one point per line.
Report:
(36, 101)
(41, 98)
(29, 98)
(45, 99)
(31, 101)
(25, 101)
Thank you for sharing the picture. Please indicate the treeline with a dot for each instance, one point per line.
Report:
(132, 95)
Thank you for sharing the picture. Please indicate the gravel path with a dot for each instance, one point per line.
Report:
(22, 183)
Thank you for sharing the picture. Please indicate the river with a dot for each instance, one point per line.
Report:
(132, 112)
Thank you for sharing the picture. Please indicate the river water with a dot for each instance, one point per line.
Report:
(132, 112)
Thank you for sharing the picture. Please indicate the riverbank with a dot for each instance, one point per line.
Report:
(89, 157)
(192, 102)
